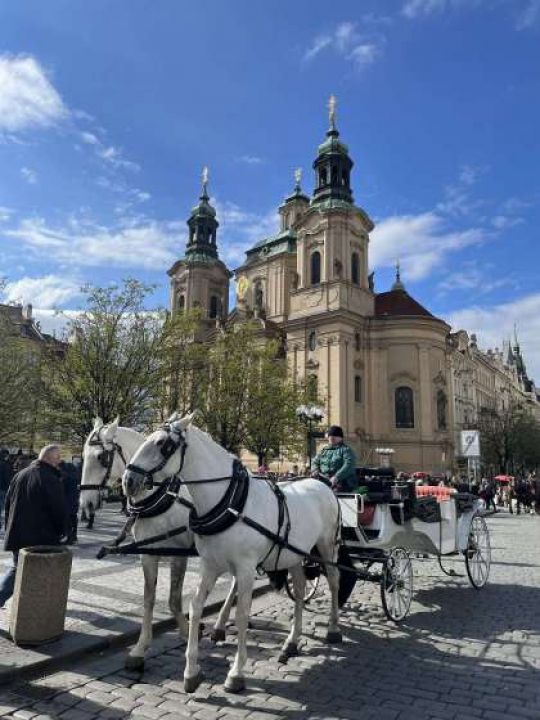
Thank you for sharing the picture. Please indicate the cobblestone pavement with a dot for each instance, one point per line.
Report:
(460, 654)
(105, 598)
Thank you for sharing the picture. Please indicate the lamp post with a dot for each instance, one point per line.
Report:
(309, 414)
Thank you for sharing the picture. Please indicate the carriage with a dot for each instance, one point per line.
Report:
(392, 522)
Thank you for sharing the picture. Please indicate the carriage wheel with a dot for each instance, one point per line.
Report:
(397, 585)
(312, 585)
(478, 553)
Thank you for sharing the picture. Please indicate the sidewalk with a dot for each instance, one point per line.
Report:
(104, 605)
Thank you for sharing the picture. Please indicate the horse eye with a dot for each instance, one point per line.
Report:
(160, 442)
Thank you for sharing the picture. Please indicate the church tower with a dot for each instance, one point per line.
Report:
(333, 303)
(200, 278)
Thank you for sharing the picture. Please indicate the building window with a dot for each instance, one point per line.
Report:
(441, 410)
(215, 305)
(357, 389)
(404, 407)
(355, 268)
(322, 177)
(357, 342)
(259, 295)
(312, 340)
(316, 268)
(181, 303)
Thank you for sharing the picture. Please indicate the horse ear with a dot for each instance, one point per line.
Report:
(98, 422)
(186, 421)
(112, 429)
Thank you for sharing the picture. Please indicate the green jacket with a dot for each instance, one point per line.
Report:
(337, 461)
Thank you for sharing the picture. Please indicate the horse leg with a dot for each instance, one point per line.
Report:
(135, 659)
(290, 648)
(218, 633)
(328, 550)
(192, 671)
(235, 681)
(178, 572)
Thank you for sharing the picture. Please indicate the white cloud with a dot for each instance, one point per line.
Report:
(240, 230)
(5, 213)
(48, 291)
(414, 8)
(144, 244)
(53, 322)
(494, 324)
(421, 242)
(503, 222)
(29, 175)
(529, 15)
(471, 277)
(250, 159)
(27, 97)
(359, 48)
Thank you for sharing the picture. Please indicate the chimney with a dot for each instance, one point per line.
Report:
(27, 312)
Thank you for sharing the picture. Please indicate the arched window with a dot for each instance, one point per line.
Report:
(334, 175)
(316, 268)
(441, 410)
(322, 177)
(355, 268)
(312, 340)
(357, 341)
(259, 295)
(357, 388)
(344, 178)
(404, 407)
(181, 303)
(214, 306)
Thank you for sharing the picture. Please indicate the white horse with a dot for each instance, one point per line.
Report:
(107, 451)
(311, 515)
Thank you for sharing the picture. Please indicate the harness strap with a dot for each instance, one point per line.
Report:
(217, 520)
(133, 548)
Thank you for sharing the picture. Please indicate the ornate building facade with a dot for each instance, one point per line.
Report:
(391, 373)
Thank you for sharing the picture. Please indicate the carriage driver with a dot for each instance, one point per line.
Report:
(337, 461)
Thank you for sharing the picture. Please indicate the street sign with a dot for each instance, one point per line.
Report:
(470, 443)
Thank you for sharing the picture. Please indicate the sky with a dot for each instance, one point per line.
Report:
(109, 110)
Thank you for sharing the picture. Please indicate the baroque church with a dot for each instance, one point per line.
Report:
(381, 361)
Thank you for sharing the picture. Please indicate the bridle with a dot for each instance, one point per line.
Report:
(105, 459)
(168, 448)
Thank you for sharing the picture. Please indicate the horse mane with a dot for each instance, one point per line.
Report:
(203, 435)
(130, 431)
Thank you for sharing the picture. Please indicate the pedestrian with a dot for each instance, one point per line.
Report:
(35, 511)
(336, 461)
(6, 473)
(71, 483)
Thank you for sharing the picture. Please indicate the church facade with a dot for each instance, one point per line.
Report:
(383, 364)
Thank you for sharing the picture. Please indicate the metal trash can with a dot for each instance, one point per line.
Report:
(38, 607)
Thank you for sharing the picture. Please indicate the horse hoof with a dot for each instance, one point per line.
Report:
(291, 649)
(217, 635)
(334, 637)
(250, 625)
(283, 658)
(134, 662)
(235, 684)
(192, 683)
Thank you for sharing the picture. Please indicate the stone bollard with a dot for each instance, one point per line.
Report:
(38, 608)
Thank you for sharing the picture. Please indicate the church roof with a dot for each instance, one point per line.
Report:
(399, 302)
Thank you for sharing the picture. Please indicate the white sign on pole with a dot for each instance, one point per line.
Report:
(470, 443)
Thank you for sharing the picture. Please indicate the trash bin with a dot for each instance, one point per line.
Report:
(38, 607)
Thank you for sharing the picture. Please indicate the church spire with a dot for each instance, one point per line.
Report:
(333, 165)
(398, 285)
(202, 227)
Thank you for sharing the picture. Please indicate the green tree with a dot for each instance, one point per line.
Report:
(19, 383)
(510, 437)
(111, 365)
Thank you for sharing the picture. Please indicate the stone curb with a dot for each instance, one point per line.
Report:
(93, 645)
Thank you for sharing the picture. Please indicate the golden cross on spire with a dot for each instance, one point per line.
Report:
(205, 177)
(398, 270)
(332, 102)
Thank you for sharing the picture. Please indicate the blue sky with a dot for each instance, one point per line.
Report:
(109, 110)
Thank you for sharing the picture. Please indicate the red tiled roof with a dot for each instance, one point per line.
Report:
(399, 302)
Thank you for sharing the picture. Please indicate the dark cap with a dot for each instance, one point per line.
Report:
(335, 431)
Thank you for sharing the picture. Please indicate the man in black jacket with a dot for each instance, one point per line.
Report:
(35, 511)
(6, 473)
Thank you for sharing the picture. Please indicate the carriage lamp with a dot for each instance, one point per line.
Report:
(309, 414)
(385, 455)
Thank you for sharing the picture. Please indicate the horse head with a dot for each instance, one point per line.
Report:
(105, 454)
(158, 458)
